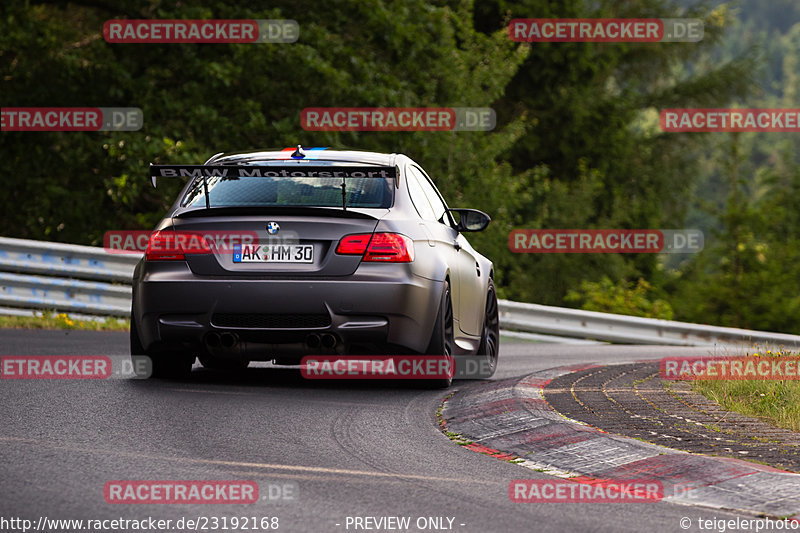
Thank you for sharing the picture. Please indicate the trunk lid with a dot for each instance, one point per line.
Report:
(295, 242)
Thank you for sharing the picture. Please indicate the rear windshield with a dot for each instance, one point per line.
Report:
(368, 187)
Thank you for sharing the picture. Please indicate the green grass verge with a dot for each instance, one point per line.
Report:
(775, 402)
(48, 320)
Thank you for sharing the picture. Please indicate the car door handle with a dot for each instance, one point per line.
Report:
(456, 245)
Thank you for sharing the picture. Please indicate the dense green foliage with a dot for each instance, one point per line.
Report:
(747, 193)
(625, 298)
(577, 143)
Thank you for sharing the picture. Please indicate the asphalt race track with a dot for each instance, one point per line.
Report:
(355, 449)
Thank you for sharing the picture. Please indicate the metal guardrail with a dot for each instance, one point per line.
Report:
(65, 260)
(65, 295)
(65, 278)
(625, 329)
(91, 281)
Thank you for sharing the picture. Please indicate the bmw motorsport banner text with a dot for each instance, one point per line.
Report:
(225, 171)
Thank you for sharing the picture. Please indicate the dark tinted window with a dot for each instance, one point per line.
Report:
(366, 192)
(418, 197)
(435, 202)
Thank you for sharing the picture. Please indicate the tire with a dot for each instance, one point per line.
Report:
(171, 365)
(490, 338)
(165, 364)
(442, 340)
(136, 343)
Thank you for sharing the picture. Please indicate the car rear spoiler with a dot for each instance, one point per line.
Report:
(288, 170)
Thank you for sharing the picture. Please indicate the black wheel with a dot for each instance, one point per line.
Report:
(442, 342)
(490, 339)
(221, 363)
(136, 343)
(165, 363)
(171, 364)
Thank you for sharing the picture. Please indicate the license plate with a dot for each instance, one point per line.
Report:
(273, 253)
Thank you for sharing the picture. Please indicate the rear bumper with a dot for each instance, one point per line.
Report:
(380, 305)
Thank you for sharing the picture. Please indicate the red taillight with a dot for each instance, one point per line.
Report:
(164, 245)
(378, 247)
(353, 244)
(171, 245)
(390, 248)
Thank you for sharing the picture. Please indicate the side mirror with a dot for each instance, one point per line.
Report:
(471, 219)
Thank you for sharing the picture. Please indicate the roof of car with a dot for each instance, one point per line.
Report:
(310, 154)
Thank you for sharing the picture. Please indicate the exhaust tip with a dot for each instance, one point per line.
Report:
(329, 341)
(228, 340)
(212, 340)
(313, 341)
